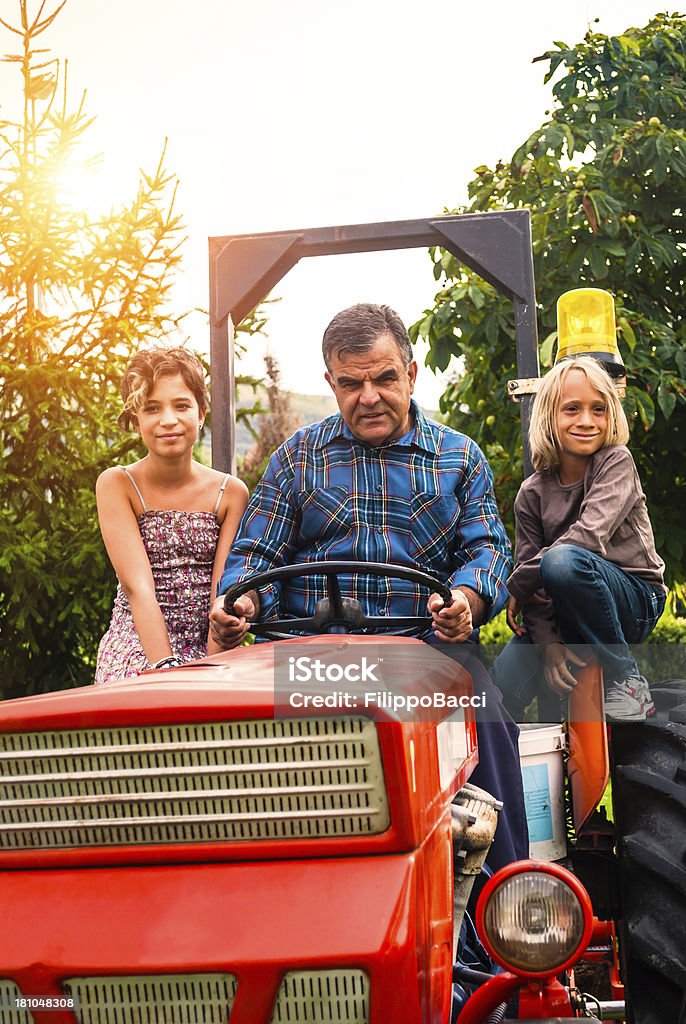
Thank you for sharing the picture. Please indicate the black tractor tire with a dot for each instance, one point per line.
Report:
(649, 796)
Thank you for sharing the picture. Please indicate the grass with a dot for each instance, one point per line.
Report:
(606, 802)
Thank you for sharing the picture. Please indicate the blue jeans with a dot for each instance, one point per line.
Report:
(596, 604)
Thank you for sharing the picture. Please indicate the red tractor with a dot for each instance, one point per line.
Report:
(193, 846)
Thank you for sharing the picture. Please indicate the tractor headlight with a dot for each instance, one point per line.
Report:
(534, 918)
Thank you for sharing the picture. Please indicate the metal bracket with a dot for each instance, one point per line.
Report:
(523, 386)
(530, 385)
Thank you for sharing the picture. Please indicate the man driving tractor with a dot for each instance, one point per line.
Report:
(379, 482)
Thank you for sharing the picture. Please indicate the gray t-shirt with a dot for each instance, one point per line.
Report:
(605, 512)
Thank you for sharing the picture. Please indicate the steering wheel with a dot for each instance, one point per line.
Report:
(335, 613)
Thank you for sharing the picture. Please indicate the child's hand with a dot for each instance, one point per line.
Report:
(512, 613)
(557, 673)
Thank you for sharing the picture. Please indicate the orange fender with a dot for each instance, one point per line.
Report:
(589, 764)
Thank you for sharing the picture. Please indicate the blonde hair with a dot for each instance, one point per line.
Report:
(543, 436)
(147, 367)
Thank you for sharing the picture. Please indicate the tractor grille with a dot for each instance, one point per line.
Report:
(304, 997)
(317, 997)
(195, 783)
(189, 999)
(10, 1011)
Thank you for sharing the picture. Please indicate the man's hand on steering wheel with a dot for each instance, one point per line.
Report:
(231, 616)
(451, 625)
(229, 630)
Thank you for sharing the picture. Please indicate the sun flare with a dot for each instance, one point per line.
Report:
(89, 188)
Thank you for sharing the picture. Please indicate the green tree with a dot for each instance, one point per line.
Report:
(276, 424)
(605, 180)
(77, 297)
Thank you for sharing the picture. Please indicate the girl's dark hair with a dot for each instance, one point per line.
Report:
(147, 367)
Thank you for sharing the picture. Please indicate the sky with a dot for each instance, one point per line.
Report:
(283, 114)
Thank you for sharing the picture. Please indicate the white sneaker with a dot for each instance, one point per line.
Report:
(643, 691)
(628, 700)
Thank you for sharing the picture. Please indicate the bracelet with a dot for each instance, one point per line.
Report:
(169, 662)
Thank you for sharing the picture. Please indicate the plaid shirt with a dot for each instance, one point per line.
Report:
(424, 501)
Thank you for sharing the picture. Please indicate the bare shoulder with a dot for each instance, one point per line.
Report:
(214, 477)
(116, 491)
(111, 481)
(234, 499)
(235, 493)
(236, 489)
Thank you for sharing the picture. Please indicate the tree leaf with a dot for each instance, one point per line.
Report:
(569, 138)
(477, 296)
(646, 408)
(491, 329)
(425, 326)
(627, 332)
(664, 145)
(591, 212)
(666, 400)
(613, 248)
(441, 354)
(628, 43)
(660, 169)
(598, 263)
(546, 349)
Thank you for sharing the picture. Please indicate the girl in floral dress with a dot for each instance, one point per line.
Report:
(167, 521)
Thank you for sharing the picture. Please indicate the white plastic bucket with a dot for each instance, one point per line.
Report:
(540, 754)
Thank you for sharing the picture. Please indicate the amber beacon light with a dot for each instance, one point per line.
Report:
(586, 326)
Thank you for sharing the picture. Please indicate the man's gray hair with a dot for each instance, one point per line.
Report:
(354, 331)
